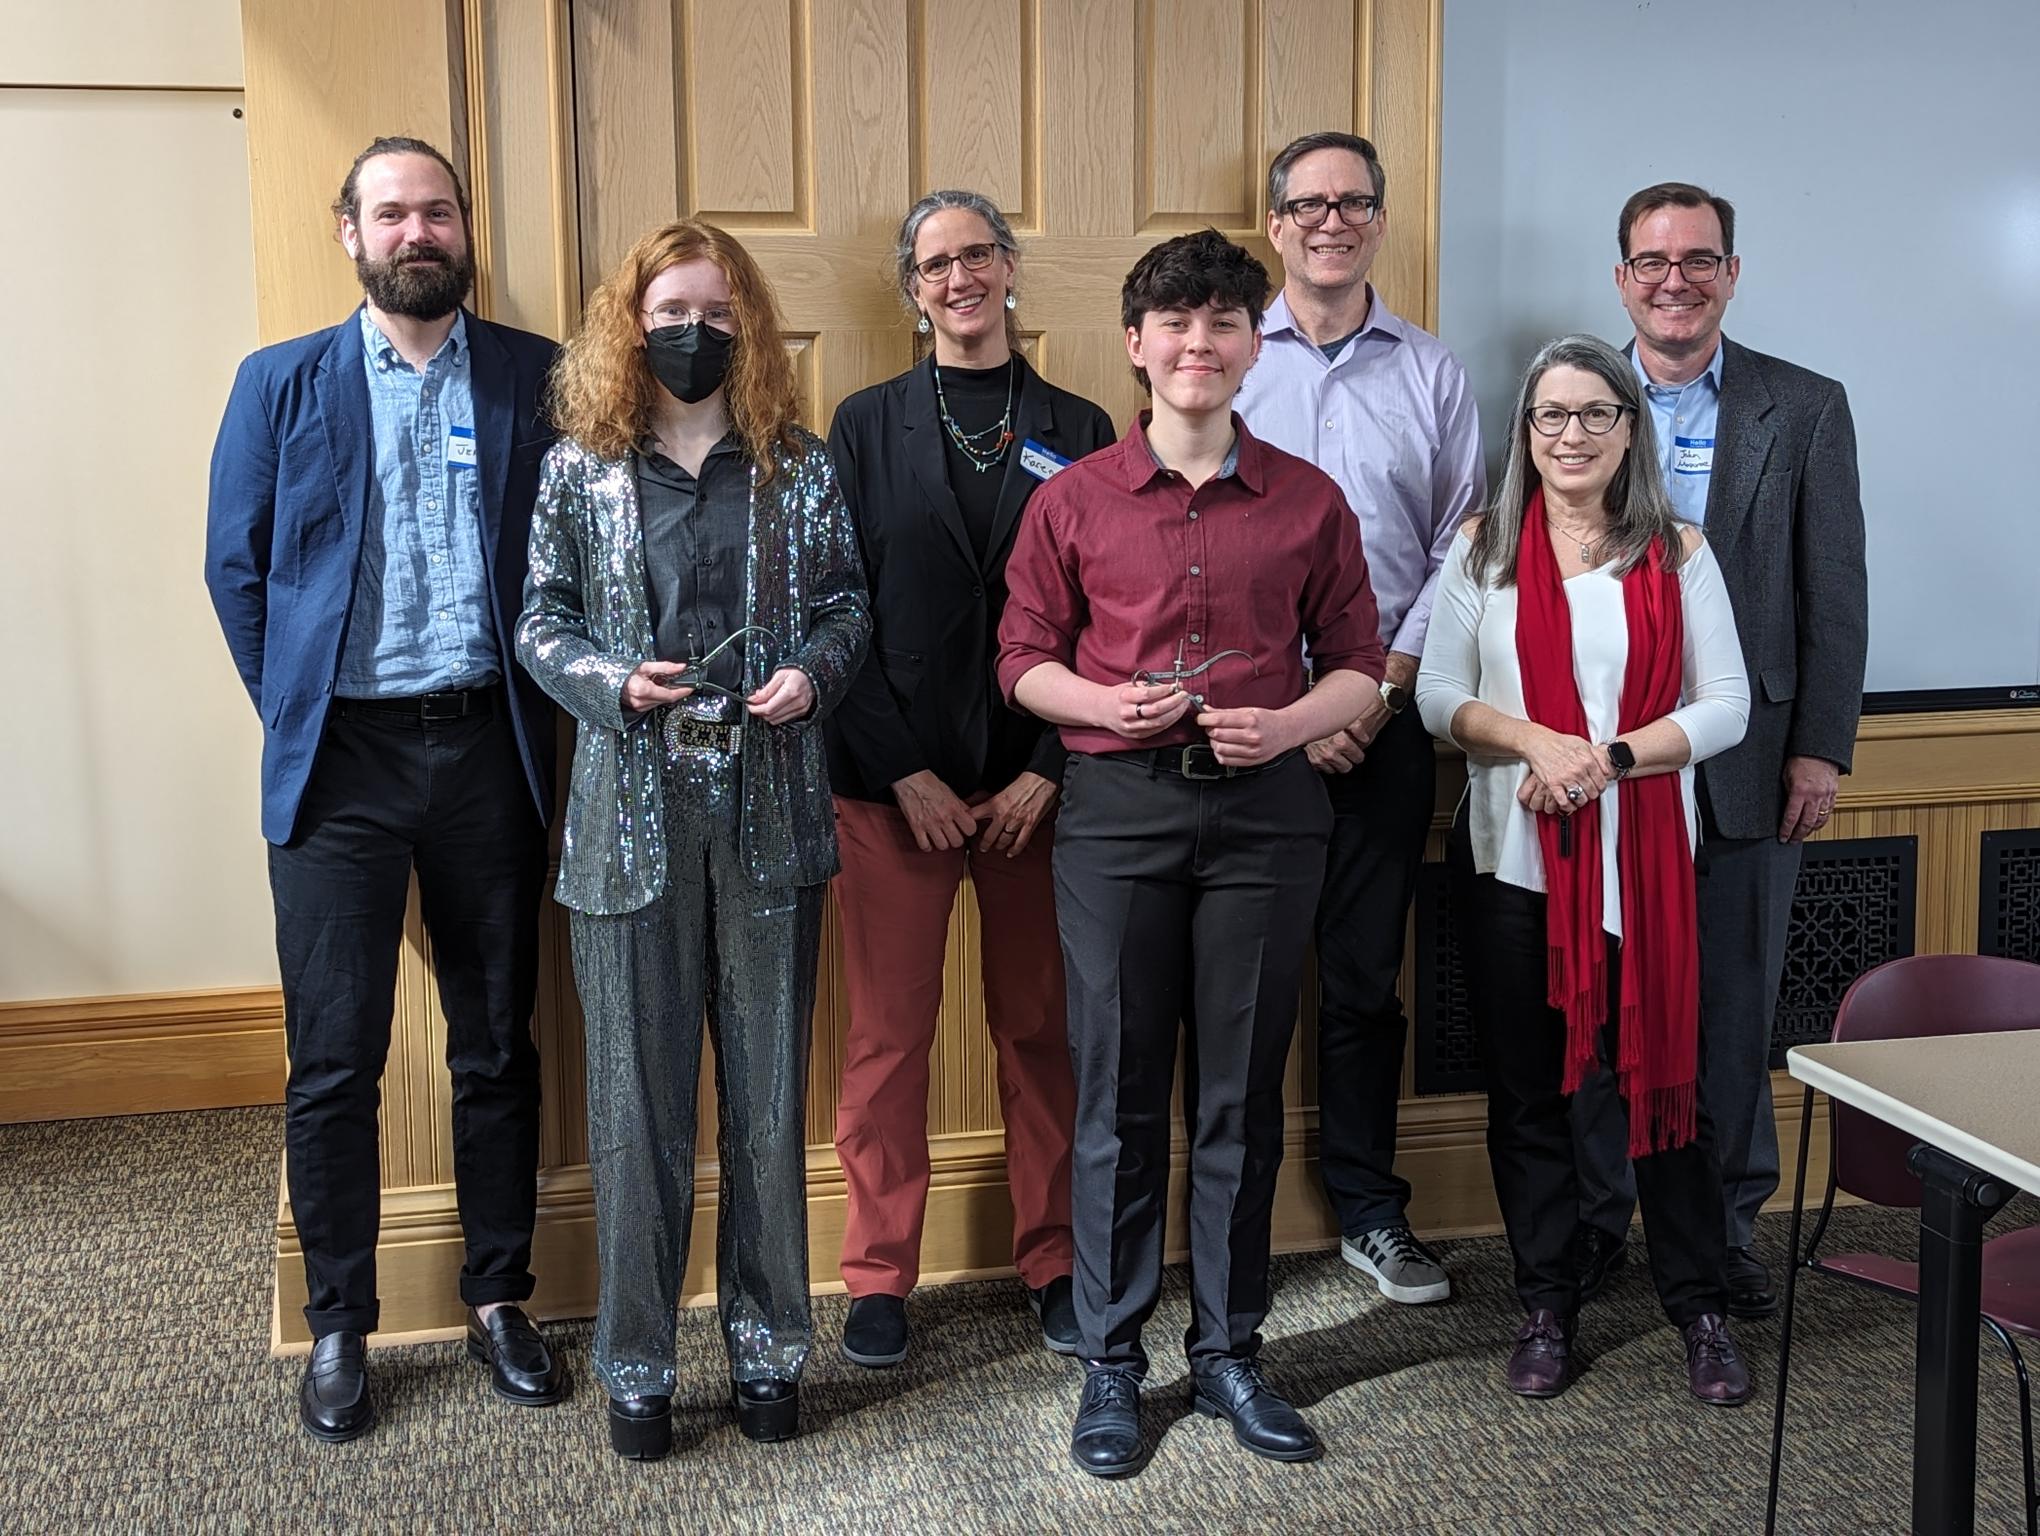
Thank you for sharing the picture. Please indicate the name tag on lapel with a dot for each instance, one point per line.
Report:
(460, 447)
(1692, 455)
(1042, 463)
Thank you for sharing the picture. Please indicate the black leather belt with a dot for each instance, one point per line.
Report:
(454, 704)
(1196, 761)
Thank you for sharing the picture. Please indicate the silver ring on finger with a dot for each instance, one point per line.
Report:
(1140, 711)
(1575, 794)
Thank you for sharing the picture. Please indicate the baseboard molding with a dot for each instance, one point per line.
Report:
(1442, 1151)
(76, 1058)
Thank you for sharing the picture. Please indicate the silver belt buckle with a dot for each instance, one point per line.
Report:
(683, 733)
(1185, 768)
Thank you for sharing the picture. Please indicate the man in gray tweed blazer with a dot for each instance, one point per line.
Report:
(1762, 454)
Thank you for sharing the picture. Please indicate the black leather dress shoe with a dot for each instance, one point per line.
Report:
(875, 1332)
(521, 1368)
(1596, 1254)
(641, 1428)
(1056, 1306)
(1750, 1292)
(1105, 1441)
(767, 1409)
(333, 1398)
(1262, 1419)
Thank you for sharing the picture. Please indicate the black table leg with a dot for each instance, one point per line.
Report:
(1956, 1201)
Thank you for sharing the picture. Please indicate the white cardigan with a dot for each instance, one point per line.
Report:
(1470, 653)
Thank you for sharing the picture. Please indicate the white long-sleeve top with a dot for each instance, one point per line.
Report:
(1471, 655)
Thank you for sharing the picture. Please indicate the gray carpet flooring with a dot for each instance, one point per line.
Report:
(137, 1394)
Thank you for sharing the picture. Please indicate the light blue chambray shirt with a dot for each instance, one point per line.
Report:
(1391, 419)
(420, 621)
(1685, 418)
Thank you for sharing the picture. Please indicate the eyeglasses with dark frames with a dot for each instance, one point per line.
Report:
(1599, 418)
(1702, 267)
(1356, 208)
(975, 258)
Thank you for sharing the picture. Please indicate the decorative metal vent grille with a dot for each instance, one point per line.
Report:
(2008, 895)
(1853, 910)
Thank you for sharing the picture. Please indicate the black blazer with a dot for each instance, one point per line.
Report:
(927, 696)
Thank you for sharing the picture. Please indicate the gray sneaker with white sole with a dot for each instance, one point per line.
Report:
(1404, 1269)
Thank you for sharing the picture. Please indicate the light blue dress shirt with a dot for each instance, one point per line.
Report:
(1391, 419)
(1685, 419)
(420, 619)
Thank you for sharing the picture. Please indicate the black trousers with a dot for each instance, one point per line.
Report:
(1380, 814)
(1522, 1043)
(388, 794)
(1182, 906)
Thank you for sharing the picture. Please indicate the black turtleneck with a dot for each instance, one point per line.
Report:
(977, 398)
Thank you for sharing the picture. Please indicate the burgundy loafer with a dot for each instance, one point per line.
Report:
(1715, 1372)
(1541, 1363)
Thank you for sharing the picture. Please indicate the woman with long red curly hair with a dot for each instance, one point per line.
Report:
(696, 603)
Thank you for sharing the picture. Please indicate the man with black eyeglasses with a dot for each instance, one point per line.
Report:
(1762, 455)
(1384, 409)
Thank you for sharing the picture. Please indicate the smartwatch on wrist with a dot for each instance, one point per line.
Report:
(1620, 758)
(1395, 696)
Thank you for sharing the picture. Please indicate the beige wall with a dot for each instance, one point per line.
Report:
(129, 860)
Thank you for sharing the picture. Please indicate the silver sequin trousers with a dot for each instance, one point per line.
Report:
(713, 944)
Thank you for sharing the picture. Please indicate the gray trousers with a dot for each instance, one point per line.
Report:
(1745, 890)
(713, 944)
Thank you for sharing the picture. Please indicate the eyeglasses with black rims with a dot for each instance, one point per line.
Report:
(1356, 208)
(1700, 267)
(719, 317)
(975, 258)
(1598, 418)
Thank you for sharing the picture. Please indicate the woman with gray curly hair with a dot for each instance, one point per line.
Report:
(933, 773)
(1584, 656)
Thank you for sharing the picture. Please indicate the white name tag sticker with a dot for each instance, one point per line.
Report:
(460, 447)
(1692, 455)
(1042, 463)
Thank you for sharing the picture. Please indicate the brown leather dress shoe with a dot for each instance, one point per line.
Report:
(1541, 1363)
(1715, 1372)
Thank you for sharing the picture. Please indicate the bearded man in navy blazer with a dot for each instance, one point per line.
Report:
(365, 548)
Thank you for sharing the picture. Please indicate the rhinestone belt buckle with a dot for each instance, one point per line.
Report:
(682, 732)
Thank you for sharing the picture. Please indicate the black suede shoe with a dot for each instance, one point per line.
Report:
(768, 1409)
(1750, 1292)
(1105, 1441)
(1596, 1254)
(521, 1368)
(1261, 1418)
(1056, 1306)
(333, 1398)
(641, 1428)
(875, 1333)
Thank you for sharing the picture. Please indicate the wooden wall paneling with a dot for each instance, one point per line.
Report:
(744, 112)
(562, 1059)
(1308, 55)
(975, 122)
(1200, 108)
(626, 126)
(77, 1058)
(516, 52)
(1401, 120)
(1089, 126)
(861, 133)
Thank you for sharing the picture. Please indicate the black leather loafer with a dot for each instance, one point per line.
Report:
(641, 1428)
(521, 1368)
(333, 1398)
(1105, 1440)
(1262, 1419)
(875, 1332)
(767, 1410)
(1750, 1292)
(1596, 1255)
(1055, 1304)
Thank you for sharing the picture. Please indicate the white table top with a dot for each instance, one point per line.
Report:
(1976, 1097)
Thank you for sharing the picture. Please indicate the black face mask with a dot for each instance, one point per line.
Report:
(690, 360)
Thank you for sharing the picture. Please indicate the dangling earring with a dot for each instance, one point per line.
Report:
(924, 327)
(1011, 302)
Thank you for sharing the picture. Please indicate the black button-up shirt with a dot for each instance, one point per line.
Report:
(697, 535)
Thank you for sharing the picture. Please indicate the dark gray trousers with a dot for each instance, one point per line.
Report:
(1183, 906)
(713, 944)
(1745, 890)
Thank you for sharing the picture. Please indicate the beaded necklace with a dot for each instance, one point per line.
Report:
(972, 444)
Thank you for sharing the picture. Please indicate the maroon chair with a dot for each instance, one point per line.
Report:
(1922, 995)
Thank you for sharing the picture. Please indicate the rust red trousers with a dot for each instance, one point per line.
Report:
(894, 902)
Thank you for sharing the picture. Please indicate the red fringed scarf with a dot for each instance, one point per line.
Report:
(1657, 1065)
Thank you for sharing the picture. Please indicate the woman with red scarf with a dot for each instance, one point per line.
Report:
(1584, 656)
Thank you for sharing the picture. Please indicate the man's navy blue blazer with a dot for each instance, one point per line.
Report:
(291, 472)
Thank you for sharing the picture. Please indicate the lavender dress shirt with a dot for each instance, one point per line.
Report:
(1392, 420)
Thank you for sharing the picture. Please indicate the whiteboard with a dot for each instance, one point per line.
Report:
(1883, 158)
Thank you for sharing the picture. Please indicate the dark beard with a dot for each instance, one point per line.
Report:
(401, 284)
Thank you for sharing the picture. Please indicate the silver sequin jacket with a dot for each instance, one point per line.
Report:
(587, 624)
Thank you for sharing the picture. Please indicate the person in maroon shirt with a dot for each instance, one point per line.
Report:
(1192, 836)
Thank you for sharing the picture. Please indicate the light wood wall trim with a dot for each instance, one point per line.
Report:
(75, 1058)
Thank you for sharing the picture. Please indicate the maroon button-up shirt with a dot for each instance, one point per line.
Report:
(1119, 564)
